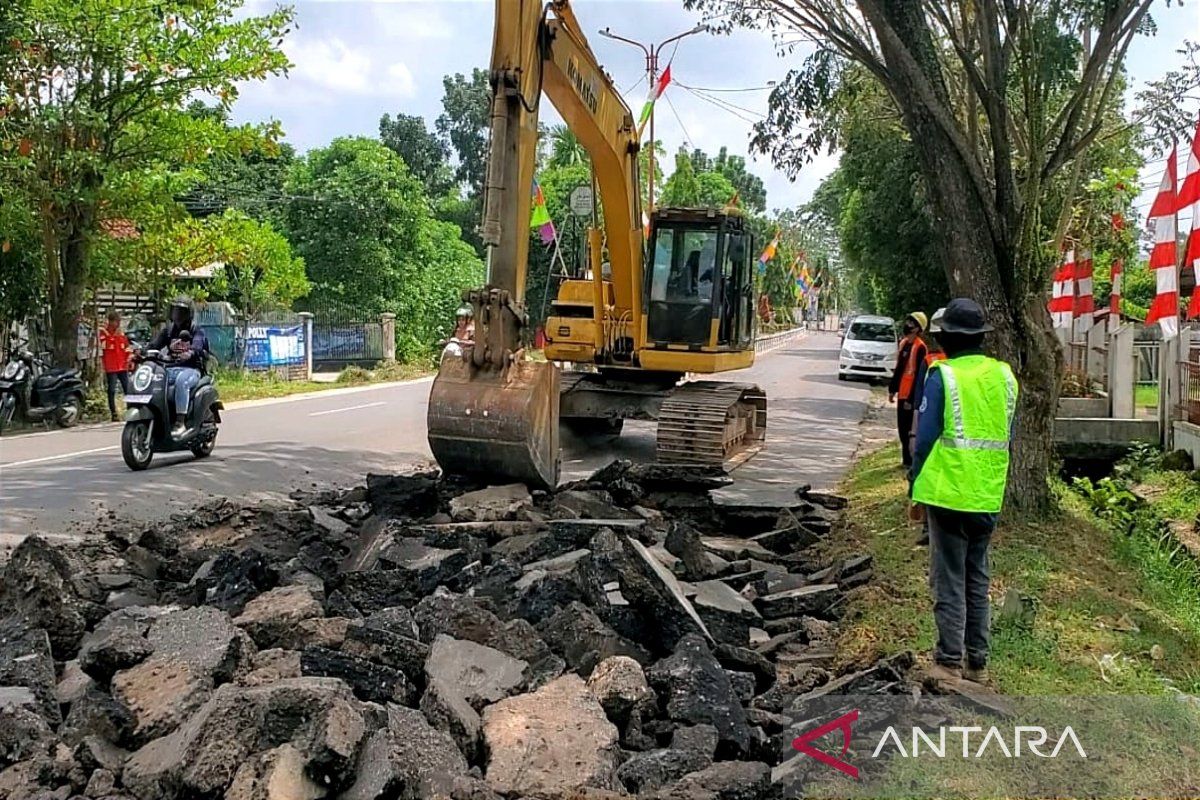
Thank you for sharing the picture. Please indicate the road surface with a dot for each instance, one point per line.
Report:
(58, 483)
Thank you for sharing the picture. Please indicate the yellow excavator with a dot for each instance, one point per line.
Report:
(634, 330)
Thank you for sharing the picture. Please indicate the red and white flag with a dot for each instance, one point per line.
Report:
(1189, 197)
(1114, 299)
(1163, 216)
(1062, 300)
(655, 92)
(1085, 303)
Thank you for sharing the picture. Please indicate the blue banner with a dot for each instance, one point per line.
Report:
(273, 347)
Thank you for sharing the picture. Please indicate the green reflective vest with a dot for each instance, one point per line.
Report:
(968, 467)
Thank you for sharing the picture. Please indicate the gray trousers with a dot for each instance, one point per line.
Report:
(958, 576)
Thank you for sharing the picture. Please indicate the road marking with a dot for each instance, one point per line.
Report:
(59, 457)
(348, 408)
(322, 393)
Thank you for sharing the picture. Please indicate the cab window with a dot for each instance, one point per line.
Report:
(685, 264)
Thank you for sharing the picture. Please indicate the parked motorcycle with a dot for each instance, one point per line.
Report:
(148, 427)
(32, 390)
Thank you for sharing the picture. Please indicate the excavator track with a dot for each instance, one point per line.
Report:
(712, 423)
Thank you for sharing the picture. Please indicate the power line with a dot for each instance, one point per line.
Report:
(679, 119)
(728, 105)
(726, 109)
(725, 89)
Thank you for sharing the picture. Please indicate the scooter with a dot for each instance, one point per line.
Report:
(148, 427)
(32, 390)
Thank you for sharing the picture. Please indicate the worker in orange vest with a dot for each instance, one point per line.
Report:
(934, 353)
(904, 378)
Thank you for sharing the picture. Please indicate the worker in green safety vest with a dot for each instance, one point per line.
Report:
(960, 470)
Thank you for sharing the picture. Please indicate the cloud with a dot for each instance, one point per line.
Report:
(401, 81)
(330, 64)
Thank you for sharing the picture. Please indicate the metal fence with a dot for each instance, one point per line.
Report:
(1189, 372)
(341, 341)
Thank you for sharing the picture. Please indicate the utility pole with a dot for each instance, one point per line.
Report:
(651, 52)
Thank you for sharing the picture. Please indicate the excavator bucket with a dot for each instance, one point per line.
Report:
(498, 425)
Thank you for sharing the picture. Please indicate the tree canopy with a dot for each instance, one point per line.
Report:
(367, 233)
(464, 125)
(423, 152)
(1000, 102)
(690, 187)
(96, 90)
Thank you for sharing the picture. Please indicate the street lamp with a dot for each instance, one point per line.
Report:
(651, 52)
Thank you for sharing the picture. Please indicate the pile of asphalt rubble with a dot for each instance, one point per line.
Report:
(422, 637)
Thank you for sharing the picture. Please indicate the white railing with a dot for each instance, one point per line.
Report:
(771, 341)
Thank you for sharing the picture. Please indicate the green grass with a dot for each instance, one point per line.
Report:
(1174, 495)
(1086, 582)
(237, 385)
(1097, 596)
(1146, 396)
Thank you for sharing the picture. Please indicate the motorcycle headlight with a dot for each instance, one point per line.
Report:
(10, 370)
(142, 378)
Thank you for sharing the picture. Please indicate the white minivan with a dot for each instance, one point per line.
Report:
(869, 349)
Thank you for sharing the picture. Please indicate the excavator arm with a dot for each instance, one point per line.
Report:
(492, 412)
(540, 50)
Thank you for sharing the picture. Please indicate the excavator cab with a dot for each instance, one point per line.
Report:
(699, 292)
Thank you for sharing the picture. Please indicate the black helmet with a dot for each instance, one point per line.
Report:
(964, 315)
(181, 311)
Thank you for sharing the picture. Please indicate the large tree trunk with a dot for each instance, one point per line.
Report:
(977, 247)
(67, 304)
(69, 276)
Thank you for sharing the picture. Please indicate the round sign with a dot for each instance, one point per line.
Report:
(582, 201)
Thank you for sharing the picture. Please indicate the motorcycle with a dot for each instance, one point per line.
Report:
(148, 427)
(32, 390)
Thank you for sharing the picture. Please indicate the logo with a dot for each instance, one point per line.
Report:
(842, 723)
(1025, 739)
(588, 88)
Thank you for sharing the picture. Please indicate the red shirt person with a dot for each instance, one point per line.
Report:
(115, 350)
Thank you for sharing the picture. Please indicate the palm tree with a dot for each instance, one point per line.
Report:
(565, 149)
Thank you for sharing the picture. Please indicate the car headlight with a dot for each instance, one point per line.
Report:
(142, 378)
(10, 370)
(846, 353)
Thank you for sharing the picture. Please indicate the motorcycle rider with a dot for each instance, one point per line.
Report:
(464, 332)
(186, 343)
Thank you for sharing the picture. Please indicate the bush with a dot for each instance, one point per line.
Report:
(354, 375)
(1075, 383)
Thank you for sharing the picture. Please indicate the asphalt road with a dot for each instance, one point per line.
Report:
(58, 483)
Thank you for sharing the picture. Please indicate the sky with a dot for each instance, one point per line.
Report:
(355, 60)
